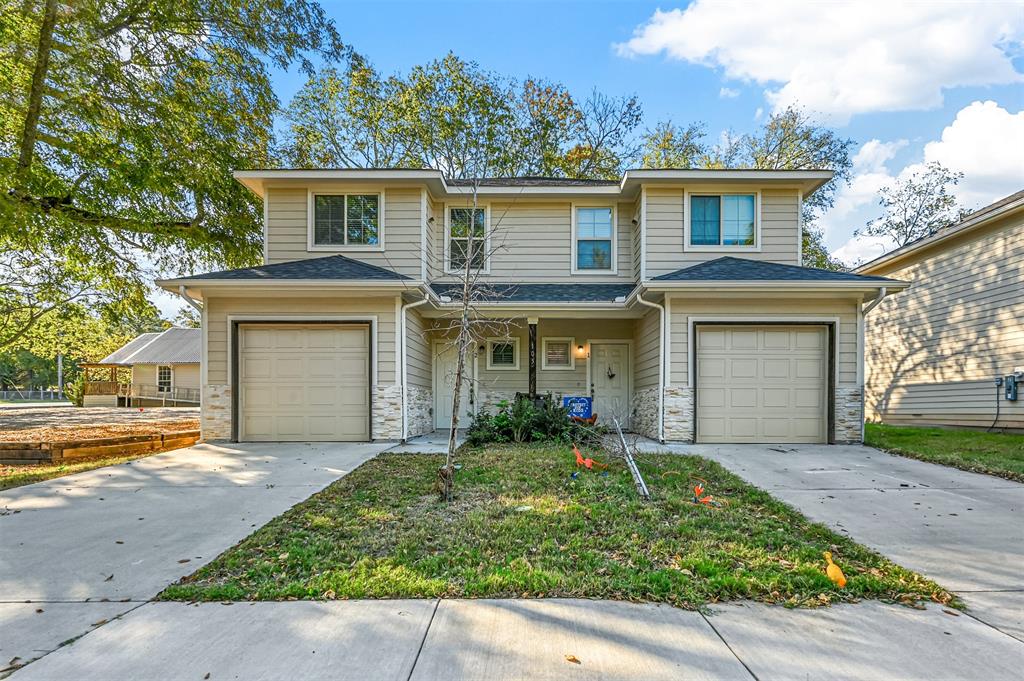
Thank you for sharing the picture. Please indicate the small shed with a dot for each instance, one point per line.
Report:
(154, 369)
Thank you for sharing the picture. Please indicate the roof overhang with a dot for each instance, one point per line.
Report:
(890, 285)
(258, 181)
(248, 287)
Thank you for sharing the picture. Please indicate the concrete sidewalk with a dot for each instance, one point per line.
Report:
(80, 550)
(422, 640)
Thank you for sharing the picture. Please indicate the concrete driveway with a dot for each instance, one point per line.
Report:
(964, 530)
(80, 550)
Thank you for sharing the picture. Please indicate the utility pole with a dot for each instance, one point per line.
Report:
(60, 375)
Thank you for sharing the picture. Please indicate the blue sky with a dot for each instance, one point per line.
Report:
(907, 82)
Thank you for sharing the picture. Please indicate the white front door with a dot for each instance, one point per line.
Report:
(445, 362)
(609, 381)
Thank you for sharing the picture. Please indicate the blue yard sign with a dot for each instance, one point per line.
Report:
(580, 407)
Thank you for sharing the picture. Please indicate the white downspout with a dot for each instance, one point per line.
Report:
(661, 364)
(188, 299)
(405, 366)
(871, 306)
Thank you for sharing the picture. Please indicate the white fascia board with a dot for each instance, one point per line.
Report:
(511, 190)
(774, 285)
(256, 180)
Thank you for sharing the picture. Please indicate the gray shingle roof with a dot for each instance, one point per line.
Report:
(173, 346)
(527, 181)
(329, 267)
(740, 269)
(543, 293)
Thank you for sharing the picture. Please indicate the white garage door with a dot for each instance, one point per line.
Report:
(303, 383)
(762, 384)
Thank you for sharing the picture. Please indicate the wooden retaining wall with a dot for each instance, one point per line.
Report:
(124, 445)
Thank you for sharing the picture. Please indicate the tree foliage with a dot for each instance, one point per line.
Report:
(119, 128)
(917, 205)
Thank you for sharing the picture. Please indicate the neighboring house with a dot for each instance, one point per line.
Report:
(164, 370)
(934, 353)
(674, 297)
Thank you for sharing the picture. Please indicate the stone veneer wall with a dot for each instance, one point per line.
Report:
(849, 415)
(215, 416)
(644, 419)
(489, 399)
(679, 414)
(420, 410)
(386, 423)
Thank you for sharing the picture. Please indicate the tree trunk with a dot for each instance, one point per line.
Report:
(35, 98)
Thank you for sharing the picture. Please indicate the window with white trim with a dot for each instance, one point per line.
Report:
(595, 232)
(164, 379)
(722, 220)
(503, 354)
(467, 230)
(346, 219)
(556, 354)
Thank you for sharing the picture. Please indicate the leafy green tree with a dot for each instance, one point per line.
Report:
(917, 206)
(668, 145)
(119, 128)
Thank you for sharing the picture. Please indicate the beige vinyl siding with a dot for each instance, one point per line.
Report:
(648, 351)
(184, 375)
(434, 248)
(531, 241)
(287, 228)
(764, 310)
(780, 229)
(933, 350)
(300, 309)
(417, 346)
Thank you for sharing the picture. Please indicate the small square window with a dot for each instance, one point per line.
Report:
(346, 219)
(557, 354)
(503, 354)
(724, 220)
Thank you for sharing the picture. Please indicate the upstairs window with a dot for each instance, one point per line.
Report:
(722, 220)
(346, 219)
(462, 224)
(594, 239)
(164, 379)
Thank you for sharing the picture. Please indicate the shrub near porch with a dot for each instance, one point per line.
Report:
(522, 526)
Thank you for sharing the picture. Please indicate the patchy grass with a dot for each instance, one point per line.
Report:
(522, 527)
(1000, 454)
(26, 474)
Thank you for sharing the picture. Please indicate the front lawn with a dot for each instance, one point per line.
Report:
(999, 454)
(521, 526)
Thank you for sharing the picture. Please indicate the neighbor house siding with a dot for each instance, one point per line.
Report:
(780, 229)
(185, 375)
(532, 241)
(933, 351)
(287, 234)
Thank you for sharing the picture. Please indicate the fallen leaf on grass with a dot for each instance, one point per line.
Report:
(573, 659)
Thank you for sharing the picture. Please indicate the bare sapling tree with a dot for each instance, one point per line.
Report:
(473, 239)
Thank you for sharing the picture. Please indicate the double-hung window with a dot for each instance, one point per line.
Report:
(346, 219)
(593, 240)
(164, 379)
(467, 238)
(723, 220)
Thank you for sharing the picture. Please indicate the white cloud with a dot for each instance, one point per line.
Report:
(842, 59)
(873, 155)
(986, 143)
(862, 249)
(728, 93)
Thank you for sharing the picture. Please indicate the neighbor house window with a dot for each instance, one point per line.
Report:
(503, 354)
(593, 239)
(556, 354)
(464, 223)
(722, 220)
(346, 219)
(163, 379)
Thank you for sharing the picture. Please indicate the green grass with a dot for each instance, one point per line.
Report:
(521, 527)
(26, 474)
(1000, 454)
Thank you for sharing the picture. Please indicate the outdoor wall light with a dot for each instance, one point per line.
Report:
(579, 350)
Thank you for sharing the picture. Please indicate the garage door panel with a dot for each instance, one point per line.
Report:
(304, 382)
(762, 384)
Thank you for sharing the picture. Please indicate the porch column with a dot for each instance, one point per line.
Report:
(532, 322)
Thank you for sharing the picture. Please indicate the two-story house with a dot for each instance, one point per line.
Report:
(675, 298)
